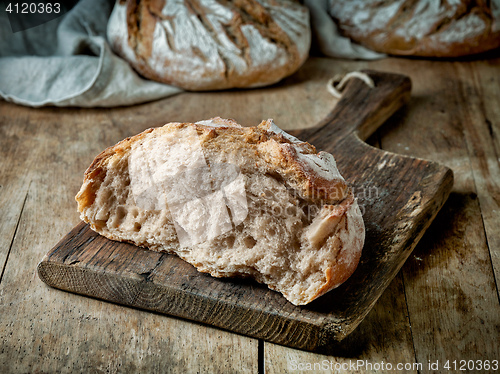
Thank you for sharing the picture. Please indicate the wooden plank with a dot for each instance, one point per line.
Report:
(162, 285)
(480, 95)
(15, 161)
(45, 330)
(449, 282)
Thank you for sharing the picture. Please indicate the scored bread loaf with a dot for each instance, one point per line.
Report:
(427, 28)
(232, 201)
(211, 44)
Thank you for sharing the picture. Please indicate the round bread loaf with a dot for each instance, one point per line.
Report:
(428, 28)
(211, 44)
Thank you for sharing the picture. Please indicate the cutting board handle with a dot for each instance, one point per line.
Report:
(362, 109)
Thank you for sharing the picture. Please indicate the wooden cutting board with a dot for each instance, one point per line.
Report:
(399, 197)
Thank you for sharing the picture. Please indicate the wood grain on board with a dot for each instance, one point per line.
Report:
(399, 197)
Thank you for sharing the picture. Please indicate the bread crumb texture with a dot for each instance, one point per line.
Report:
(232, 201)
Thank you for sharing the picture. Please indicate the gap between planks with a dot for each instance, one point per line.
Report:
(15, 232)
(401, 274)
(475, 138)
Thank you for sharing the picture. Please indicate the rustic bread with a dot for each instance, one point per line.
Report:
(211, 44)
(232, 201)
(428, 28)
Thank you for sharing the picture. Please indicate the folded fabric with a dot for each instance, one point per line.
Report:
(68, 62)
(328, 39)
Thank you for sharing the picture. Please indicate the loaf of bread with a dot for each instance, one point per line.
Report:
(211, 44)
(233, 201)
(428, 28)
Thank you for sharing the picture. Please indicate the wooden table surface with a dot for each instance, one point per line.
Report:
(442, 307)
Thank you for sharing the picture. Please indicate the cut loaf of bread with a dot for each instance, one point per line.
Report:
(233, 201)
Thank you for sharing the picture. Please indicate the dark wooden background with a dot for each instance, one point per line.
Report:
(443, 305)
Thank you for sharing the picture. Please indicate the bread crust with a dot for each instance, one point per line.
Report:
(336, 232)
(423, 28)
(211, 45)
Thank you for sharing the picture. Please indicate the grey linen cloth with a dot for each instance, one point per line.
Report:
(68, 61)
(328, 38)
